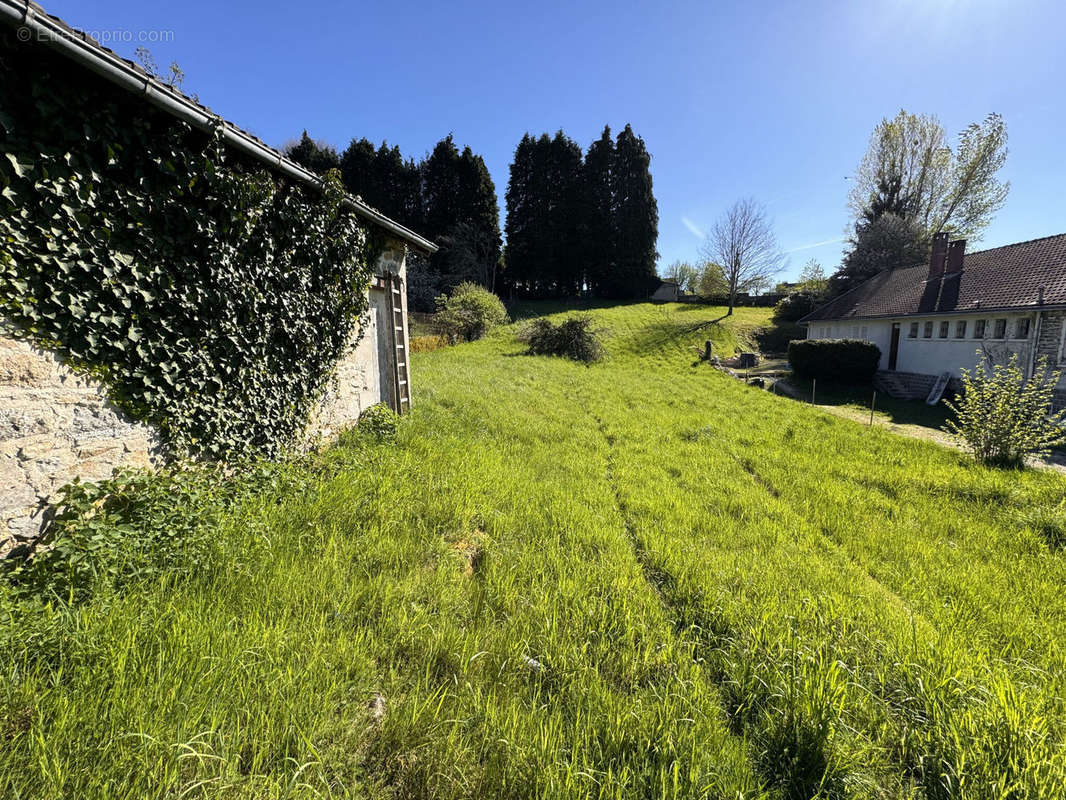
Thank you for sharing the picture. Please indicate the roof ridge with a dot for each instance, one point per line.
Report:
(1018, 244)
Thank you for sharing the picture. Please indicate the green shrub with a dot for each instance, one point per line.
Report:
(134, 526)
(796, 306)
(574, 338)
(839, 360)
(1002, 417)
(379, 422)
(469, 312)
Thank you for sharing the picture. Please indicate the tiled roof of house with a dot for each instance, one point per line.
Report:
(1009, 277)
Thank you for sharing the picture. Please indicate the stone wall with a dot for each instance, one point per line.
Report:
(1049, 340)
(55, 425)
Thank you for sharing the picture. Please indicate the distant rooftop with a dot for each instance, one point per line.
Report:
(1003, 278)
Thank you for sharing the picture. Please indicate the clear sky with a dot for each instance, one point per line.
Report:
(774, 100)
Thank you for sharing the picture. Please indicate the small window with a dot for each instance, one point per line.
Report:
(865, 332)
(1021, 331)
(1000, 329)
(854, 331)
(960, 330)
(944, 329)
(913, 332)
(979, 329)
(927, 331)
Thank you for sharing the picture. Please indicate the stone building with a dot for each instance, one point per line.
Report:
(56, 424)
(931, 319)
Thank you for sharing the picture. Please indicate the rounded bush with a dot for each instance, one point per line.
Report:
(469, 312)
(379, 422)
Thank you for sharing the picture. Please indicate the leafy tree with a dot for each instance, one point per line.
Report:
(1003, 417)
(684, 275)
(316, 156)
(812, 278)
(743, 242)
(909, 170)
(884, 243)
(636, 219)
(712, 281)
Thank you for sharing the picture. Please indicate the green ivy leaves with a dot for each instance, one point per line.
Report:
(212, 298)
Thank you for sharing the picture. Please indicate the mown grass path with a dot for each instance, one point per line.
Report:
(635, 579)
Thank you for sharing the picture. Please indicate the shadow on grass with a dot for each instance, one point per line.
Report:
(531, 309)
(655, 337)
(898, 412)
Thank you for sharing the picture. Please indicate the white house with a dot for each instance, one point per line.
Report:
(668, 291)
(932, 318)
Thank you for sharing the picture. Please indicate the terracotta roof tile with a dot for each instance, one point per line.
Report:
(1001, 278)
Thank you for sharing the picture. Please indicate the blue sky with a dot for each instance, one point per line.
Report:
(770, 100)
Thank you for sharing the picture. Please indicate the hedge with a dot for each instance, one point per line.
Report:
(840, 360)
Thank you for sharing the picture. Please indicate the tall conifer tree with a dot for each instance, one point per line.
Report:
(597, 246)
(636, 219)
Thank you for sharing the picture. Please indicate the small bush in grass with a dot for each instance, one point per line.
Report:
(379, 422)
(574, 338)
(469, 312)
(1002, 417)
(840, 360)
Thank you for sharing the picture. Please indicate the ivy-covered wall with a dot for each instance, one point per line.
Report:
(212, 299)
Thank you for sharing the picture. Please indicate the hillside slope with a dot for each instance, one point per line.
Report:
(636, 579)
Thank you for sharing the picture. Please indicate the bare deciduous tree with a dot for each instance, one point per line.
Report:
(742, 241)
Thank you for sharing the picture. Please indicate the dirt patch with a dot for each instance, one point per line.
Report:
(471, 552)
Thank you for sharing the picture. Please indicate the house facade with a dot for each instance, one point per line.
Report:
(668, 292)
(958, 310)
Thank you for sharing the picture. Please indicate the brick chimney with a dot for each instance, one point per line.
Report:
(956, 250)
(939, 256)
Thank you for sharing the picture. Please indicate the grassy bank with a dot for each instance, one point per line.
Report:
(636, 579)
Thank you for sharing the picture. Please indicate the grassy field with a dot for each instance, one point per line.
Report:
(638, 579)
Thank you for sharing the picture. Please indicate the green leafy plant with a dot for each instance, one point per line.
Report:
(574, 338)
(379, 422)
(842, 360)
(135, 526)
(469, 312)
(212, 299)
(1004, 417)
(795, 306)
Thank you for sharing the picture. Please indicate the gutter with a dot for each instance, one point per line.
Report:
(86, 52)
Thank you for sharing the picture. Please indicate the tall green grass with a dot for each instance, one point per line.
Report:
(636, 579)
